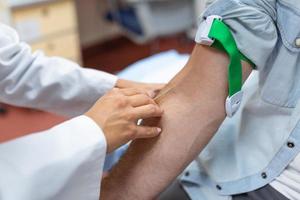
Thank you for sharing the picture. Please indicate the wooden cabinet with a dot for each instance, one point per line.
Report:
(66, 45)
(50, 26)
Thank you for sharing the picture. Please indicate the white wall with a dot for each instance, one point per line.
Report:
(92, 27)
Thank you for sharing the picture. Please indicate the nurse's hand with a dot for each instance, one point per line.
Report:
(121, 84)
(117, 114)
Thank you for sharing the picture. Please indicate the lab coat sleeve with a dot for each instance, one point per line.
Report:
(47, 83)
(252, 23)
(62, 163)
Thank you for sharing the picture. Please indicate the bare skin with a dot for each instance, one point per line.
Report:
(193, 104)
(123, 84)
(117, 113)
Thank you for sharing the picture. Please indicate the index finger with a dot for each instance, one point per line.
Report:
(135, 91)
(147, 111)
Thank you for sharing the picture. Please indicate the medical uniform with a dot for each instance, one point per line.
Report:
(66, 161)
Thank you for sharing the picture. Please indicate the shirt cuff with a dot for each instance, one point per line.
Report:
(100, 81)
(109, 82)
(94, 84)
(90, 127)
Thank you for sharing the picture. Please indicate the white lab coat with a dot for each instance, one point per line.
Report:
(66, 161)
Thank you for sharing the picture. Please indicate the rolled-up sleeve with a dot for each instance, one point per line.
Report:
(253, 25)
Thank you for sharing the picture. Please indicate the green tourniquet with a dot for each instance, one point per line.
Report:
(225, 42)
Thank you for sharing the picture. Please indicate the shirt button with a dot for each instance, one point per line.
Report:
(218, 187)
(264, 175)
(297, 42)
(290, 144)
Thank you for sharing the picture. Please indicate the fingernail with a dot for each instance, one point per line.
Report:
(159, 130)
(152, 94)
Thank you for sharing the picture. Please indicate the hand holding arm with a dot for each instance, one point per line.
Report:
(152, 88)
(118, 112)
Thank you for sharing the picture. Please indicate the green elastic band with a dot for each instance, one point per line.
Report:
(225, 42)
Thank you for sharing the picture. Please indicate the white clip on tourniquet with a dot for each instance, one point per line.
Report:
(212, 30)
(204, 29)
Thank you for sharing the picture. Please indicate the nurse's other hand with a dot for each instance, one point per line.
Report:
(150, 87)
(117, 114)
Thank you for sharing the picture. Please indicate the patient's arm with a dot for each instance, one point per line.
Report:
(193, 104)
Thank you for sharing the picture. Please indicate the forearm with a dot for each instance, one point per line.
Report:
(193, 105)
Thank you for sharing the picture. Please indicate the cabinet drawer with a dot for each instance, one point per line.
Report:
(66, 45)
(41, 20)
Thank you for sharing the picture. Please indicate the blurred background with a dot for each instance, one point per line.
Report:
(107, 35)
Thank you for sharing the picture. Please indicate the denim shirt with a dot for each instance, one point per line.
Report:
(254, 147)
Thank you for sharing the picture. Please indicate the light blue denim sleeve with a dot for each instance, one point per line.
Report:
(253, 24)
